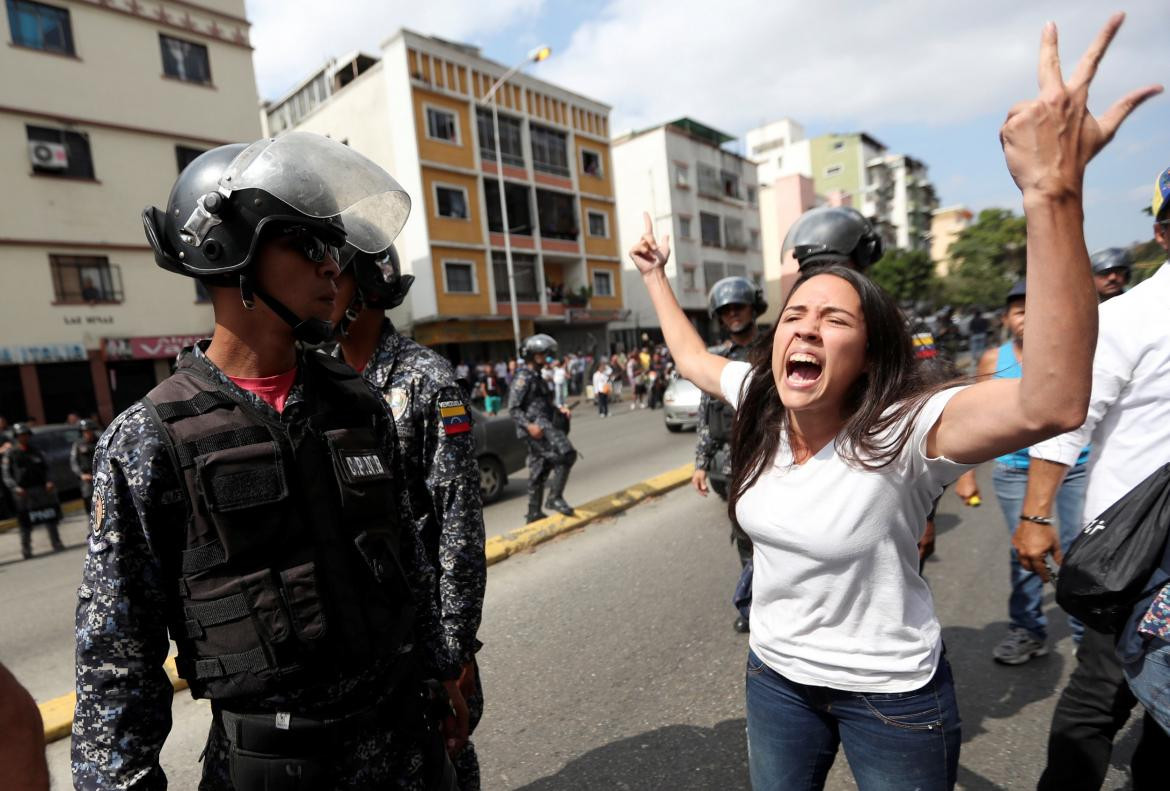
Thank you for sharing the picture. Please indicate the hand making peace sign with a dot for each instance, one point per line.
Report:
(1048, 141)
(649, 254)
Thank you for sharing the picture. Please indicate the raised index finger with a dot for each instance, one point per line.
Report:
(648, 223)
(1049, 71)
(1087, 67)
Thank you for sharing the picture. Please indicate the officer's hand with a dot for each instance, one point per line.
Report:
(699, 481)
(1033, 541)
(455, 727)
(649, 254)
(20, 492)
(535, 431)
(50, 486)
(85, 476)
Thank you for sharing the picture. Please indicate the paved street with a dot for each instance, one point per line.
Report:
(610, 661)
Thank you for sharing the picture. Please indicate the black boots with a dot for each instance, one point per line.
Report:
(556, 499)
(534, 512)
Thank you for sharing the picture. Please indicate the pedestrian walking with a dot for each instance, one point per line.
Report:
(1128, 424)
(25, 472)
(439, 468)
(542, 425)
(737, 303)
(560, 381)
(250, 506)
(602, 388)
(833, 407)
(81, 461)
(1112, 269)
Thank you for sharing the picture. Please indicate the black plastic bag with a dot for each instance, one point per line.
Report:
(1109, 565)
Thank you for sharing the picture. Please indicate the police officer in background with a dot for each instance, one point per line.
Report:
(1112, 268)
(544, 425)
(833, 235)
(26, 474)
(440, 471)
(250, 505)
(737, 303)
(81, 461)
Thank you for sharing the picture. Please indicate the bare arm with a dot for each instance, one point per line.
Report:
(1033, 541)
(1047, 144)
(690, 354)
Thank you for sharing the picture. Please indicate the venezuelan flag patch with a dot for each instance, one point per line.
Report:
(455, 418)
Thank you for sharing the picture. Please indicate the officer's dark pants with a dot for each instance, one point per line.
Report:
(551, 452)
(26, 534)
(1093, 707)
(87, 496)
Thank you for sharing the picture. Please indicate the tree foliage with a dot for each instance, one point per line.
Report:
(986, 258)
(908, 275)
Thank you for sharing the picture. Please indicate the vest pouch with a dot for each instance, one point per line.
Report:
(720, 417)
(304, 601)
(245, 491)
(266, 601)
(363, 477)
(379, 550)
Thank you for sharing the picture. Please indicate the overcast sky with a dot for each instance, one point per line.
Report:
(927, 78)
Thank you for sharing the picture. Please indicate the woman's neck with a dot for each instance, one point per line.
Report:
(809, 432)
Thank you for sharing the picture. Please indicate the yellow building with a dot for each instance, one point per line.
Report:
(945, 226)
(419, 111)
(102, 103)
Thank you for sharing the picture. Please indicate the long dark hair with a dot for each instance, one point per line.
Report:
(891, 389)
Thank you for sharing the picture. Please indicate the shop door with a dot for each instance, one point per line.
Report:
(65, 388)
(130, 380)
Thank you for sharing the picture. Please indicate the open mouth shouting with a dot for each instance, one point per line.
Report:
(802, 370)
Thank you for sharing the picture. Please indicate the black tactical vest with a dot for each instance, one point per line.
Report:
(84, 453)
(720, 415)
(28, 467)
(287, 568)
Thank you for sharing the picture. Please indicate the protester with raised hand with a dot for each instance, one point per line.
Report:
(838, 451)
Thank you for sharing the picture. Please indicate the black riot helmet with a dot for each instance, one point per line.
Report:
(21, 430)
(87, 425)
(833, 235)
(231, 199)
(1111, 258)
(736, 291)
(538, 344)
(379, 282)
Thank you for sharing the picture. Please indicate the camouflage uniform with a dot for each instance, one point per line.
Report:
(530, 400)
(713, 455)
(440, 471)
(123, 710)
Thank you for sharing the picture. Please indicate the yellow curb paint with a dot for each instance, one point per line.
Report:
(58, 712)
(70, 507)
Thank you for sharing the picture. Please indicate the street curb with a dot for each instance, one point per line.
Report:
(58, 712)
(67, 508)
(500, 548)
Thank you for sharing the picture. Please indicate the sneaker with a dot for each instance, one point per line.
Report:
(1018, 647)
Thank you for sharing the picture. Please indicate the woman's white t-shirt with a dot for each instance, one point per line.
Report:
(837, 600)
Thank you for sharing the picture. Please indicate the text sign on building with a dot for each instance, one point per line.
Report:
(48, 353)
(148, 347)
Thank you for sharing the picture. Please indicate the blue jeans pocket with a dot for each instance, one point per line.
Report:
(754, 665)
(915, 711)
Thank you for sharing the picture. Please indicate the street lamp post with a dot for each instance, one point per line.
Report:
(535, 56)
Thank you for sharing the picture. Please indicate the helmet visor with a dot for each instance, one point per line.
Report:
(323, 178)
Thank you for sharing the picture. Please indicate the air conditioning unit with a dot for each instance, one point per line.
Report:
(48, 156)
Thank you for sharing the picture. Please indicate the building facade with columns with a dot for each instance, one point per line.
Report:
(419, 109)
(103, 102)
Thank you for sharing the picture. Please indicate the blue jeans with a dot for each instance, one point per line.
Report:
(892, 740)
(1026, 604)
(1149, 678)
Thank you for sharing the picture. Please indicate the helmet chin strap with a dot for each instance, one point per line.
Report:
(311, 331)
(352, 311)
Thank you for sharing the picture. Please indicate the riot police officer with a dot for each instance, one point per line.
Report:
(1112, 268)
(544, 426)
(81, 461)
(736, 302)
(250, 506)
(439, 468)
(26, 474)
(833, 235)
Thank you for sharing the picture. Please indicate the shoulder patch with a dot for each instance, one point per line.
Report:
(455, 418)
(397, 400)
(99, 512)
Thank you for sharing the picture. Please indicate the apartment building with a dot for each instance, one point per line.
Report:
(103, 102)
(855, 169)
(419, 109)
(705, 197)
(945, 226)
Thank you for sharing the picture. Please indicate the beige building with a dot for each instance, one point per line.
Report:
(945, 225)
(418, 109)
(102, 103)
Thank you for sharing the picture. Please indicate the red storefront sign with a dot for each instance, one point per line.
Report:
(147, 347)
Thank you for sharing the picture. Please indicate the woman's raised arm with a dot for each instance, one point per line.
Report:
(1047, 143)
(686, 347)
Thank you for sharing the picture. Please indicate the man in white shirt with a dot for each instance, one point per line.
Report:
(1129, 427)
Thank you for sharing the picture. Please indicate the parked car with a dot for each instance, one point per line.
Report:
(498, 451)
(681, 405)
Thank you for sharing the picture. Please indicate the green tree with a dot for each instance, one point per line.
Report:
(908, 275)
(986, 258)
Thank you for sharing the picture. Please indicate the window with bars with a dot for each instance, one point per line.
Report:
(736, 270)
(602, 283)
(598, 223)
(684, 227)
(733, 233)
(459, 277)
(442, 125)
(185, 155)
(185, 60)
(550, 150)
(519, 207)
(712, 273)
(451, 202)
(709, 182)
(688, 279)
(558, 215)
(40, 26)
(78, 162)
(85, 278)
(591, 163)
(710, 228)
(524, 267)
(511, 138)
